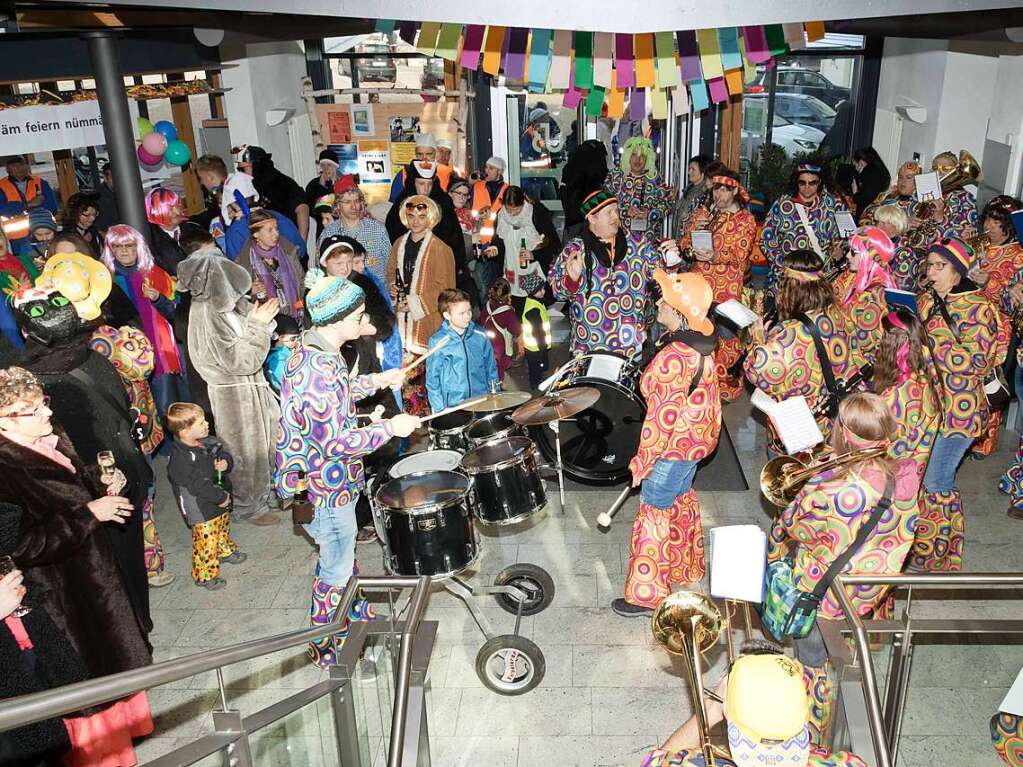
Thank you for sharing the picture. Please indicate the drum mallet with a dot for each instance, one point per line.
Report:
(604, 519)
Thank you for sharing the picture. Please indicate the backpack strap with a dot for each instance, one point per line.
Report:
(696, 378)
(822, 355)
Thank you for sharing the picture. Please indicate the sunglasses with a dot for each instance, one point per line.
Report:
(416, 206)
(809, 183)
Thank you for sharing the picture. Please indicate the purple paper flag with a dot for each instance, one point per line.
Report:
(689, 56)
(637, 104)
(756, 45)
(624, 66)
(718, 90)
(515, 61)
(472, 43)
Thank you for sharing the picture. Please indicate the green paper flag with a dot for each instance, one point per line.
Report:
(667, 68)
(447, 43)
(775, 34)
(594, 102)
(584, 60)
(385, 26)
(710, 53)
(427, 42)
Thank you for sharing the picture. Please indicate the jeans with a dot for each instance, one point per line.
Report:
(946, 456)
(667, 481)
(334, 531)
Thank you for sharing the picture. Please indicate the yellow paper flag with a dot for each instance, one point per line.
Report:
(427, 42)
(659, 103)
(710, 53)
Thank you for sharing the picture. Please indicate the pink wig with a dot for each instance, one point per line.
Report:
(159, 204)
(873, 250)
(121, 234)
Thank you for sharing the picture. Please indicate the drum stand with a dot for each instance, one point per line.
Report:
(556, 428)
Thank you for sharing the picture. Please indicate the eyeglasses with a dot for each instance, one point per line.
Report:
(416, 206)
(935, 264)
(809, 183)
(35, 411)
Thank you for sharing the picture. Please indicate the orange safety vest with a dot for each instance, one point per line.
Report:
(10, 191)
(480, 200)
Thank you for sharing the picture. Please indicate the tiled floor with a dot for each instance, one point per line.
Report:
(609, 692)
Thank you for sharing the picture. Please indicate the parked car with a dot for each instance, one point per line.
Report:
(377, 65)
(792, 137)
(802, 81)
(799, 109)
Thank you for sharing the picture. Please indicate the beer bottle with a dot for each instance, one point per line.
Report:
(523, 260)
(301, 510)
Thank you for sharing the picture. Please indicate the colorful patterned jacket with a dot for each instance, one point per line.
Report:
(960, 214)
(963, 364)
(862, 317)
(651, 195)
(1001, 263)
(908, 266)
(679, 426)
(733, 243)
(914, 403)
(783, 230)
(318, 433)
(819, 757)
(786, 365)
(608, 305)
(826, 515)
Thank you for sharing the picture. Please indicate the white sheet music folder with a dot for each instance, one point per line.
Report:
(792, 420)
(738, 559)
(1013, 701)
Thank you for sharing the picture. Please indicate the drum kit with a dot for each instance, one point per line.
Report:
(483, 470)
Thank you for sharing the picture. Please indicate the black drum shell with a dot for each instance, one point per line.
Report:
(509, 488)
(448, 431)
(492, 428)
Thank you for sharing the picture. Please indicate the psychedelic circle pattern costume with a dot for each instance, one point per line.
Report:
(667, 544)
(651, 195)
(908, 266)
(862, 317)
(784, 233)
(1007, 737)
(608, 312)
(785, 365)
(960, 214)
(914, 404)
(734, 235)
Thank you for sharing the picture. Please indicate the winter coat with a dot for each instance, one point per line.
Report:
(463, 369)
(228, 349)
(434, 272)
(192, 477)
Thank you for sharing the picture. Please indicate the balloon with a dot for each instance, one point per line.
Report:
(167, 130)
(145, 127)
(177, 153)
(145, 158)
(154, 144)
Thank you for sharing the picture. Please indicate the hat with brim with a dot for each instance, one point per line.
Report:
(84, 281)
(690, 295)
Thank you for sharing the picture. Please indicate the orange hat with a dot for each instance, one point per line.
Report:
(690, 295)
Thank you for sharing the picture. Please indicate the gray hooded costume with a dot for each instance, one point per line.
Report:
(228, 349)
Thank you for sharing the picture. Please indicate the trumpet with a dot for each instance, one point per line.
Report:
(783, 477)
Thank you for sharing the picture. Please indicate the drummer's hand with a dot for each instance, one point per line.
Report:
(389, 378)
(403, 424)
(575, 266)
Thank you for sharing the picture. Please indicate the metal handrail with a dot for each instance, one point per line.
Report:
(35, 707)
(875, 719)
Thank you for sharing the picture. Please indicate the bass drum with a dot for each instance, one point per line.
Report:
(597, 445)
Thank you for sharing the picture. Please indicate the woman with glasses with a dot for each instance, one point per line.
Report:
(420, 267)
(803, 219)
(968, 340)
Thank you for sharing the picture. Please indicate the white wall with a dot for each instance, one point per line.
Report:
(263, 76)
(966, 101)
(913, 73)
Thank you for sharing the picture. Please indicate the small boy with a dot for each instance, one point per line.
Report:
(284, 342)
(536, 329)
(465, 367)
(198, 469)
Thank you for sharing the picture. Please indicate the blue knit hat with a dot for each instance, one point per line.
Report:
(332, 299)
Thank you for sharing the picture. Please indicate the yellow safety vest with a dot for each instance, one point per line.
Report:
(529, 341)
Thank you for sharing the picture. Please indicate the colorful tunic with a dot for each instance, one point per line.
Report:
(319, 434)
(1007, 738)
(650, 195)
(960, 214)
(914, 403)
(1001, 263)
(906, 203)
(678, 426)
(824, 519)
(786, 365)
(963, 364)
(908, 266)
(609, 312)
(784, 233)
(862, 317)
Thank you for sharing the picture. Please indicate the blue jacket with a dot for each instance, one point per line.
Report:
(238, 232)
(464, 368)
(276, 362)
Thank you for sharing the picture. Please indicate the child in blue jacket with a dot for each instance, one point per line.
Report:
(465, 367)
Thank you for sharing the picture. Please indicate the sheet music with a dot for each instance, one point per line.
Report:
(737, 312)
(605, 367)
(894, 297)
(738, 559)
(792, 420)
(703, 239)
(1013, 701)
(846, 222)
(928, 186)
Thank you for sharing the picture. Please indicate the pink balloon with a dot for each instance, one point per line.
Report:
(155, 144)
(145, 158)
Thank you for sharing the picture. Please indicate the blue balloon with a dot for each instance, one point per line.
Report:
(166, 129)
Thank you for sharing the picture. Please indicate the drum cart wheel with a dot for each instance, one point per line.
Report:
(510, 664)
(535, 582)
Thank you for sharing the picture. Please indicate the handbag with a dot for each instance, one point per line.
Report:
(996, 388)
(787, 610)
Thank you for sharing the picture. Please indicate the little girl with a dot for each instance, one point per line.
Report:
(501, 322)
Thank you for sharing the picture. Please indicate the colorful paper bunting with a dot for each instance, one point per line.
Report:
(756, 44)
(602, 59)
(539, 57)
(427, 42)
(644, 48)
(689, 56)
(515, 59)
(637, 104)
(659, 104)
(385, 26)
(624, 66)
(584, 59)
(710, 53)
(698, 95)
(447, 42)
(718, 90)
(492, 49)
(814, 30)
(615, 98)
(595, 102)
(573, 95)
(407, 31)
(794, 36)
(775, 39)
(728, 38)
(472, 46)
(733, 80)
(667, 68)
(561, 63)
(680, 100)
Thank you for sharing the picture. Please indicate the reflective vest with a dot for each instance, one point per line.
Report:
(480, 200)
(529, 339)
(9, 189)
(443, 176)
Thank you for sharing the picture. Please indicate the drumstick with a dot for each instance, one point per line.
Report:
(604, 520)
(453, 408)
(409, 368)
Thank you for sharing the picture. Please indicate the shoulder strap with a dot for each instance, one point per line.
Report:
(861, 536)
(822, 353)
(696, 378)
(90, 382)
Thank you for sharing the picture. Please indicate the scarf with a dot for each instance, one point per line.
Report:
(513, 229)
(273, 269)
(167, 358)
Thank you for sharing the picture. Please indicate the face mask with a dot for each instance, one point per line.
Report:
(48, 320)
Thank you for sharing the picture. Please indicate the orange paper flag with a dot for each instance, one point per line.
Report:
(733, 79)
(492, 50)
(814, 30)
(646, 75)
(615, 98)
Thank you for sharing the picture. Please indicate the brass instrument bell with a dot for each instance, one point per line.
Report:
(673, 622)
(783, 477)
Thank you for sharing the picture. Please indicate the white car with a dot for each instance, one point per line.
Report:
(793, 138)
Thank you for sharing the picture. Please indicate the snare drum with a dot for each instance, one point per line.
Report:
(495, 427)
(428, 524)
(448, 431)
(598, 443)
(431, 460)
(508, 487)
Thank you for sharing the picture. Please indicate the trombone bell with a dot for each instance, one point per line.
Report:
(672, 622)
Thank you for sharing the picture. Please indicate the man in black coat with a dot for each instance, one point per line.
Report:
(278, 191)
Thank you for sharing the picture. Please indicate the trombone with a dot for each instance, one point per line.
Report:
(783, 477)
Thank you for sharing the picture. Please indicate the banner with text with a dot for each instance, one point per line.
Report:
(44, 128)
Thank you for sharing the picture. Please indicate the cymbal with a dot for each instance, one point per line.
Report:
(555, 406)
(502, 400)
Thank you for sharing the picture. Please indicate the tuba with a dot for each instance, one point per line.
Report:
(783, 477)
(966, 171)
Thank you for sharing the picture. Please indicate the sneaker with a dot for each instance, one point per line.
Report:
(366, 534)
(264, 519)
(629, 610)
(236, 558)
(214, 584)
(161, 579)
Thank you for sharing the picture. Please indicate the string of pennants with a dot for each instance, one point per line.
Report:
(613, 71)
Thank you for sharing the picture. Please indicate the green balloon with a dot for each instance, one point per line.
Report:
(177, 153)
(145, 127)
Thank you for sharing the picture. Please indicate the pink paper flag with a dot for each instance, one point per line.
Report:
(471, 46)
(718, 90)
(756, 45)
(624, 66)
(637, 104)
(573, 95)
